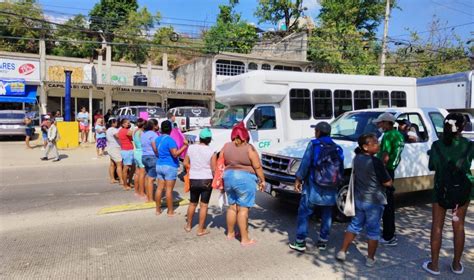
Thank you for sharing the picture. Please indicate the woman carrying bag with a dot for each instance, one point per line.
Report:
(451, 158)
(370, 178)
(200, 161)
(242, 167)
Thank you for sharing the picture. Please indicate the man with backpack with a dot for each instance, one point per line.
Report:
(318, 178)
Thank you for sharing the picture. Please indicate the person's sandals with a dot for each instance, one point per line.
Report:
(427, 269)
(252, 242)
(202, 233)
(458, 272)
(233, 236)
(187, 229)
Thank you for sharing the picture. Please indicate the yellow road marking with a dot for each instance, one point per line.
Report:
(138, 206)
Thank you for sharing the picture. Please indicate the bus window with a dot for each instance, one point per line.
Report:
(300, 104)
(362, 100)
(381, 99)
(266, 67)
(399, 99)
(342, 102)
(322, 104)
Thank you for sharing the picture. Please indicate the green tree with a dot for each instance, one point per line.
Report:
(72, 36)
(135, 33)
(345, 42)
(22, 19)
(109, 15)
(230, 33)
(276, 10)
(439, 53)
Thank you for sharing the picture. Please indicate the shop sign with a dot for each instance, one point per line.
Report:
(12, 87)
(20, 69)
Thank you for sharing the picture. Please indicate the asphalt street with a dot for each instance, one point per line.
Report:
(50, 229)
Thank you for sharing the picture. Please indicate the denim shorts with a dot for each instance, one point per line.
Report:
(127, 157)
(240, 187)
(150, 165)
(368, 215)
(137, 156)
(166, 172)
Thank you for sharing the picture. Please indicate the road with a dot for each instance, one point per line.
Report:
(50, 229)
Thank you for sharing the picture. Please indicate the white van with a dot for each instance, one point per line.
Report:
(278, 106)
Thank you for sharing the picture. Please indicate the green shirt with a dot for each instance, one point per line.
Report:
(453, 153)
(392, 144)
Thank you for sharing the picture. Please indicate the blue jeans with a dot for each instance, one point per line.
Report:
(368, 215)
(305, 210)
(240, 187)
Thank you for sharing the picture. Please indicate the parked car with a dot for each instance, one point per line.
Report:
(191, 118)
(281, 162)
(12, 123)
(135, 112)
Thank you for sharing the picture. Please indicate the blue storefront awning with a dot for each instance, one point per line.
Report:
(29, 97)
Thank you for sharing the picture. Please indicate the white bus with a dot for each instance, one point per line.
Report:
(277, 106)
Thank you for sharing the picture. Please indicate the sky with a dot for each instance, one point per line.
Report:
(190, 16)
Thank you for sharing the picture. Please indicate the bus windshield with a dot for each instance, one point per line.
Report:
(350, 126)
(231, 116)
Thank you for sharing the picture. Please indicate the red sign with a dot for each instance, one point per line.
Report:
(26, 69)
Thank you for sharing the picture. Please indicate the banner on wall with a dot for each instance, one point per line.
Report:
(18, 68)
(12, 87)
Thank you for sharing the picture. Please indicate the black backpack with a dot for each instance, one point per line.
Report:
(329, 167)
(454, 188)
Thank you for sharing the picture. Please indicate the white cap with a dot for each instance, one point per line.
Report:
(385, 117)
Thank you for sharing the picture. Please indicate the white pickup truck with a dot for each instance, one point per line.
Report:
(281, 162)
(191, 118)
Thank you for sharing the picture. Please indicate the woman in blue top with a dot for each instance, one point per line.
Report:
(167, 166)
(137, 155)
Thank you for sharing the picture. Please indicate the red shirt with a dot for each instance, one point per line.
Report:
(125, 140)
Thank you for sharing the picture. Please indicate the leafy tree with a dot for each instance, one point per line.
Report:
(364, 15)
(109, 15)
(135, 33)
(345, 42)
(276, 10)
(22, 19)
(230, 33)
(440, 53)
(74, 32)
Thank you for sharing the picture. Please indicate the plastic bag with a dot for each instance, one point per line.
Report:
(222, 200)
(349, 207)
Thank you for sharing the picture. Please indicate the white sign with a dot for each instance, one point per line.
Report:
(18, 68)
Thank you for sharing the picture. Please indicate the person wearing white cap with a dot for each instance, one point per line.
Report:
(390, 153)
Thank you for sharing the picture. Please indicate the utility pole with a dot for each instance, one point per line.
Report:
(384, 40)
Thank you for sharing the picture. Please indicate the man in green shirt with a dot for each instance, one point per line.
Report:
(390, 153)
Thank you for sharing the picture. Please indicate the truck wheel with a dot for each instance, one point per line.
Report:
(340, 202)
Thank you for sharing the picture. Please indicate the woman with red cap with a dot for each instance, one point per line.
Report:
(242, 167)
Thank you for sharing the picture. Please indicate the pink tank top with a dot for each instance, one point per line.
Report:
(237, 158)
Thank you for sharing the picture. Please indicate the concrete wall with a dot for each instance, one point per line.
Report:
(292, 47)
(195, 75)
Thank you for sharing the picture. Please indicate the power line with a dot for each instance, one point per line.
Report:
(437, 29)
(451, 8)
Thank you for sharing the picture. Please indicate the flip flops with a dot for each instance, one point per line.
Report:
(252, 242)
(458, 272)
(427, 269)
(205, 232)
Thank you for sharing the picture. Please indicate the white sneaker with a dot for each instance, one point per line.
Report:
(341, 256)
(369, 262)
(43, 149)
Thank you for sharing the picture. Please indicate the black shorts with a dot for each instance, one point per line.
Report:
(200, 188)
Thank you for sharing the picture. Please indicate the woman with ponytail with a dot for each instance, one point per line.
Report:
(451, 158)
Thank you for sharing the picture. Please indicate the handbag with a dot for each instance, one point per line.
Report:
(349, 206)
(222, 200)
(217, 181)
(187, 181)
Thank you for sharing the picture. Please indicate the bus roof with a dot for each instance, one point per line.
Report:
(444, 79)
(262, 86)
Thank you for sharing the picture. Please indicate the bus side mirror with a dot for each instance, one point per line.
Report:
(257, 115)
